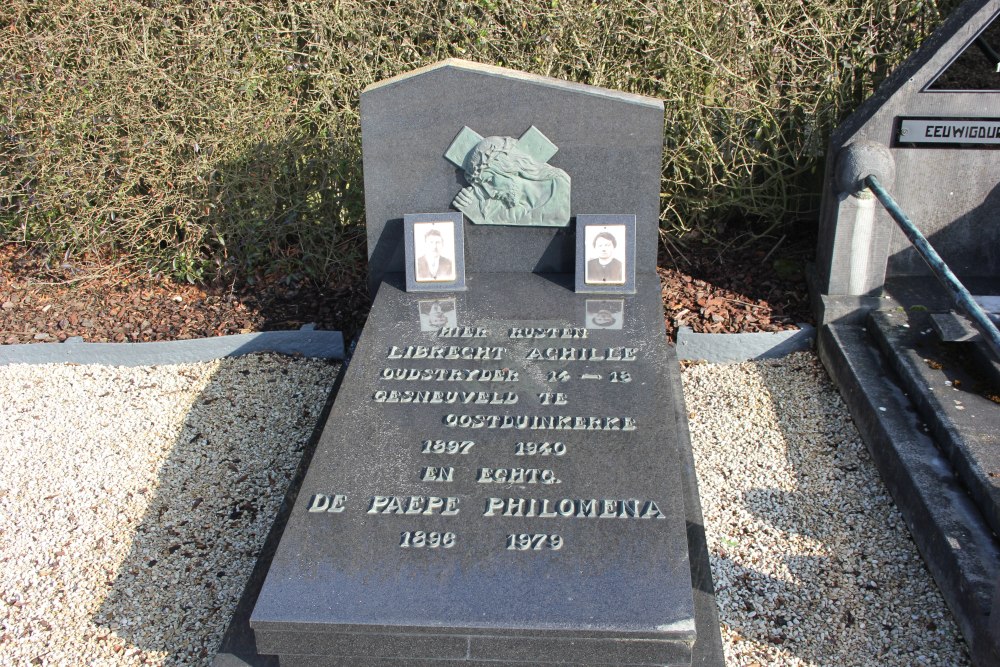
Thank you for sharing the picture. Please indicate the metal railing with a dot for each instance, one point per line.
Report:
(961, 296)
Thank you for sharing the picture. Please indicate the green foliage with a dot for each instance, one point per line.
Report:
(214, 138)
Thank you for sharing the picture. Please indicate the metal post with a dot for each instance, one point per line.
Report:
(959, 294)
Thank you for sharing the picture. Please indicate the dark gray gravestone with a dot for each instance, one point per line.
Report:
(348, 580)
(502, 479)
(609, 142)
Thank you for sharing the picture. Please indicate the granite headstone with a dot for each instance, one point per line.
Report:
(505, 477)
(935, 149)
(610, 144)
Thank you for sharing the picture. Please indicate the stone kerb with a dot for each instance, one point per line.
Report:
(609, 142)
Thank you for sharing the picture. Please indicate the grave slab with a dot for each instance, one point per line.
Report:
(352, 582)
(506, 476)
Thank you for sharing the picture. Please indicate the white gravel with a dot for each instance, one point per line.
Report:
(133, 502)
(813, 564)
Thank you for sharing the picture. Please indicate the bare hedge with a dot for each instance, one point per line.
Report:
(200, 137)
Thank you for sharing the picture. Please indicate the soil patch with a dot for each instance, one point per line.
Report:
(760, 288)
(754, 289)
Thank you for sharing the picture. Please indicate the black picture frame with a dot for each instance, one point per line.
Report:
(427, 235)
(601, 237)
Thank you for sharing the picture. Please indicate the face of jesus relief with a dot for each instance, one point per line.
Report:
(509, 186)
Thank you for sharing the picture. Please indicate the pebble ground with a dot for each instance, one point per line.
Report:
(133, 503)
(813, 564)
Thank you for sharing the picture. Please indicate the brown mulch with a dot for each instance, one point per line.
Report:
(41, 304)
(38, 303)
(756, 289)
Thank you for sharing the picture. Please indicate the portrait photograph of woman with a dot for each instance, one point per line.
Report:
(605, 255)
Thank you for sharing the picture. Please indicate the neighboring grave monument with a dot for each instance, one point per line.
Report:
(921, 386)
(938, 151)
(506, 476)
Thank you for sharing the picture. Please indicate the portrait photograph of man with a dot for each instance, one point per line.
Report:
(434, 252)
(605, 255)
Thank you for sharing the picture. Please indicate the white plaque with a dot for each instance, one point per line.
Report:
(966, 131)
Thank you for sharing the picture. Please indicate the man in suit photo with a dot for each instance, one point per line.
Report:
(432, 266)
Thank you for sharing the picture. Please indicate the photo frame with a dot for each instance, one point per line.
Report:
(605, 254)
(435, 252)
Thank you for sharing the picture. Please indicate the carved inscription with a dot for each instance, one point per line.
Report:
(437, 474)
(451, 374)
(539, 449)
(499, 471)
(536, 542)
(579, 508)
(558, 376)
(466, 397)
(448, 446)
(582, 354)
(540, 422)
(522, 332)
(419, 539)
(463, 332)
(320, 502)
(448, 352)
(422, 505)
(516, 476)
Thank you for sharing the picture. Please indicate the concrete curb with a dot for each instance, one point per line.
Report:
(734, 348)
(956, 544)
(306, 342)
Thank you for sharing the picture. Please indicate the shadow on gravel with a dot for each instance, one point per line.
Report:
(245, 441)
(848, 586)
